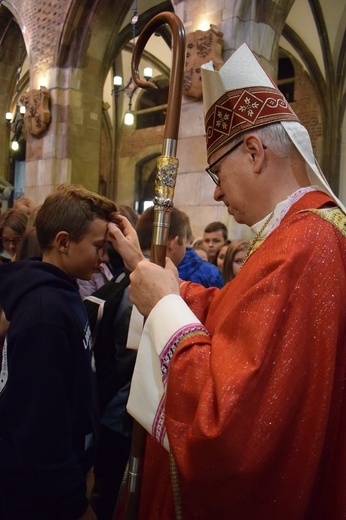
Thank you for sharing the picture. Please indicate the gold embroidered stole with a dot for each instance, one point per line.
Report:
(334, 216)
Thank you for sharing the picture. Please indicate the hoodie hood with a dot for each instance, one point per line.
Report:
(19, 278)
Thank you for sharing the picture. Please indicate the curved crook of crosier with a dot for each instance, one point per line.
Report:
(177, 71)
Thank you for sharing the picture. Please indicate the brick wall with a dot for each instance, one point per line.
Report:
(307, 108)
(133, 139)
(43, 21)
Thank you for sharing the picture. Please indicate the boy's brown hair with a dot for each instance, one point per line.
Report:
(217, 226)
(178, 227)
(71, 209)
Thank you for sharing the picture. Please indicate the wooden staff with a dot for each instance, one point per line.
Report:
(167, 169)
(167, 163)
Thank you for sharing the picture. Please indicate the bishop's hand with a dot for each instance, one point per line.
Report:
(151, 282)
(123, 238)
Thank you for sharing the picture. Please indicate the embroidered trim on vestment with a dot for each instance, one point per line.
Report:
(292, 199)
(186, 332)
(333, 215)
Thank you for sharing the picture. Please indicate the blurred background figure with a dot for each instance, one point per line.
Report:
(214, 237)
(220, 257)
(178, 235)
(129, 213)
(32, 217)
(4, 256)
(234, 258)
(194, 268)
(29, 246)
(201, 250)
(24, 204)
(12, 228)
(99, 278)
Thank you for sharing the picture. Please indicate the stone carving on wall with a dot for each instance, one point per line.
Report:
(201, 47)
(37, 116)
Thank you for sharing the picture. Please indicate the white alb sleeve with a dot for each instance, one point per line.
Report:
(169, 315)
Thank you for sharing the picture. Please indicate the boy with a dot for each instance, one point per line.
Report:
(48, 412)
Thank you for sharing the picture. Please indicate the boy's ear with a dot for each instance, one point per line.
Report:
(62, 241)
(172, 245)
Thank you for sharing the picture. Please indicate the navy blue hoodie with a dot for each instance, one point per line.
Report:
(48, 413)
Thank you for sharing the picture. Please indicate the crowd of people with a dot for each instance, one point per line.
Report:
(21, 230)
(17, 226)
(239, 378)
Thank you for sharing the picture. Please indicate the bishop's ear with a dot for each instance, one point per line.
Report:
(256, 150)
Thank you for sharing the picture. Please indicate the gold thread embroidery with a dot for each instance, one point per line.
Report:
(189, 335)
(332, 215)
(176, 488)
(257, 241)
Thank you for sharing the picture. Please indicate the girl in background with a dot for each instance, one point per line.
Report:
(234, 258)
(220, 257)
(12, 228)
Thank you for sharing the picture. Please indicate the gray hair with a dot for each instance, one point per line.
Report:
(274, 136)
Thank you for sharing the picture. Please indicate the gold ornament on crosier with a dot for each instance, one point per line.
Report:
(167, 170)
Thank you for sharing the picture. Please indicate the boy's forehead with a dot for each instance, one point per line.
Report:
(98, 227)
(212, 234)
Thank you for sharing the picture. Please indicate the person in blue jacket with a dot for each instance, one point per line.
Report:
(48, 406)
(194, 269)
(190, 266)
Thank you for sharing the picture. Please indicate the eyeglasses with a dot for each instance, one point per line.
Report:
(214, 176)
(6, 241)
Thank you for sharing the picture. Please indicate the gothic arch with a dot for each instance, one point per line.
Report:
(329, 90)
(93, 35)
(11, 34)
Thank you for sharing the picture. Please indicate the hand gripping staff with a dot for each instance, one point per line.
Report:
(167, 169)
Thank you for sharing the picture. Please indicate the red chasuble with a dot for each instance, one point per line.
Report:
(255, 414)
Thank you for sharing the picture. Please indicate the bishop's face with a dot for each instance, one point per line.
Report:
(234, 178)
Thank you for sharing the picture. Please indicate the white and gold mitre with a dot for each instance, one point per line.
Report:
(241, 97)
